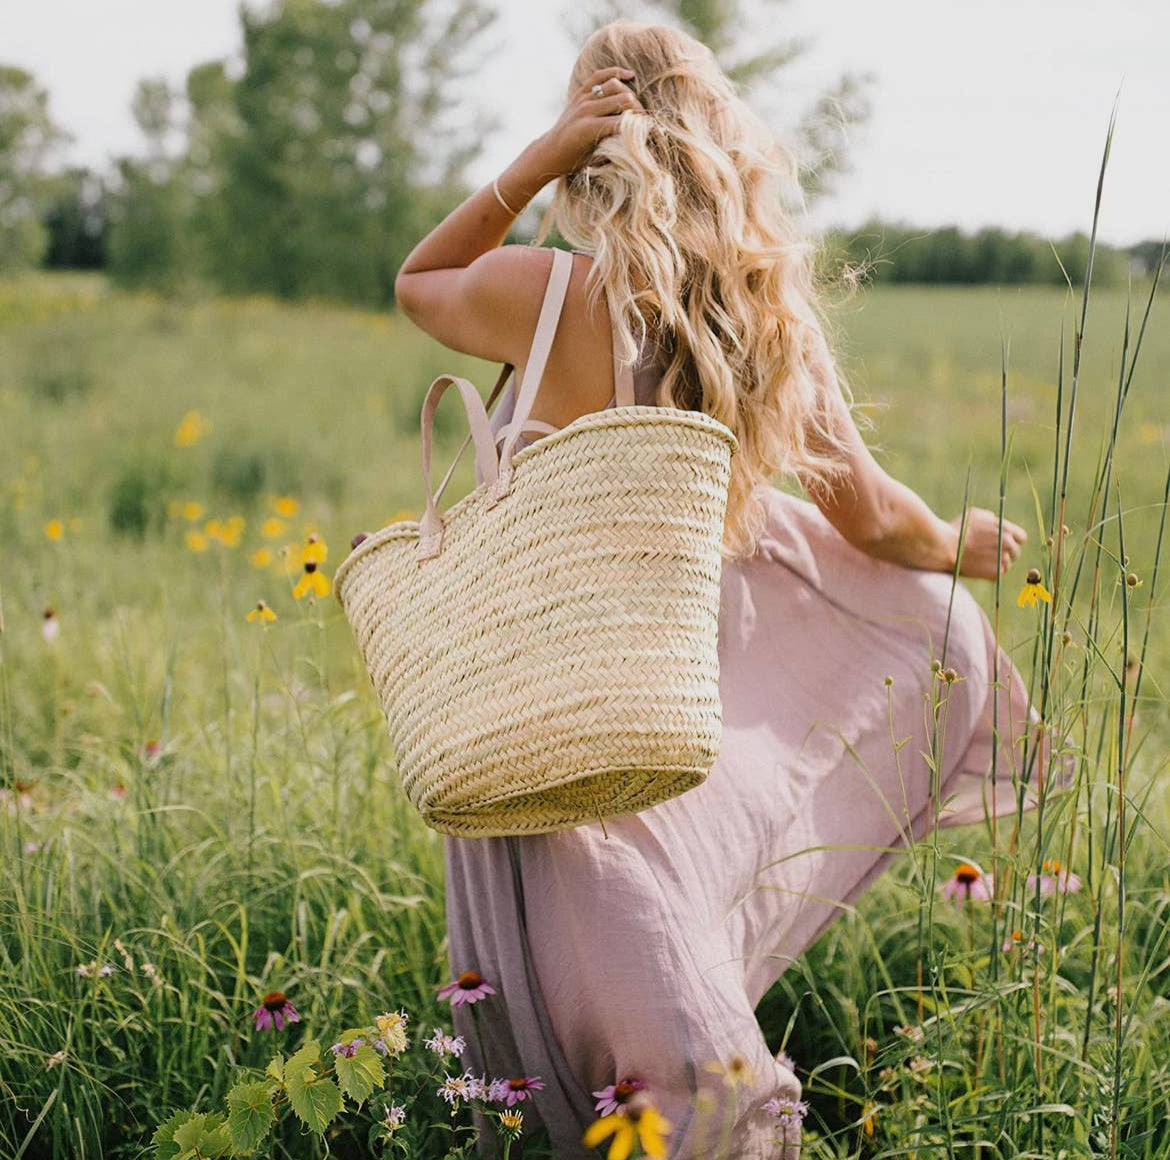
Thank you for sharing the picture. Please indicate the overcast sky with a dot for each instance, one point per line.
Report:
(988, 114)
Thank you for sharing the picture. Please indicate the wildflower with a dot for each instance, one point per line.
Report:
(392, 1030)
(470, 987)
(1054, 879)
(869, 1119)
(968, 883)
(512, 1122)
(272, 528)
(788, 1113)
(262, 613)
(920, 1066)
(197, 541)
(312, 557)
(477, 1086)
(1015, 940)
(735, 1072)
(54, 530)
(497, 1091)
(192, 427)
(442, 1044)
(1033, 590)
(192, 510)
(92, 970)
(521, 1087)
(274, 1011)
(118, 791)
(261, 558)
(948, 676)
(285, 505)
(614, 1097)
(1132, 580)
(349, 1050)
(395, 1117)
(785, 1060)
(50, 625)
(640, 1123)
(54, 1059)
(227, 532)
(31, 847)
(455, 1088)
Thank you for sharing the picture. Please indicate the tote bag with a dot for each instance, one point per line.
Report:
(546, 650)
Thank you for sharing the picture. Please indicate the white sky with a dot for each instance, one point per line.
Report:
(987, 114)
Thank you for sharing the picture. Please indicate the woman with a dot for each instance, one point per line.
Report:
(640, 952)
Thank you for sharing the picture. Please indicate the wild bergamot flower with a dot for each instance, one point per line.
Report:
(392, 1031)
(1033, 590)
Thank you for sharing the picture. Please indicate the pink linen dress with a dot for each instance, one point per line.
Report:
(644, 953)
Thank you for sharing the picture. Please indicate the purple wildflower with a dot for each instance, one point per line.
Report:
(615, 1096)
(521, 1087)
(968, 884)
(788, 1113)
(274, 1012)
(470, 987)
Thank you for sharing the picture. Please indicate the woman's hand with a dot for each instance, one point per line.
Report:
(984, 557)
(592, 113)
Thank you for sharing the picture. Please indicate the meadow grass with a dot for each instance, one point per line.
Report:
(217, 799)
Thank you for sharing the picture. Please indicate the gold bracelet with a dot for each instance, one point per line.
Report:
(500, 197)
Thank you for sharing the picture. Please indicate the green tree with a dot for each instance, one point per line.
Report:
(77, 221)
(336, 149)
(27, 137)
(149, 244)
(731, 29)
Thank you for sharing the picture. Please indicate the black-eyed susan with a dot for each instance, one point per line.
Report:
(273, 528)
(286, 506)
(1033, 590)
(54, 529)
(262, 557)
(197, 541)
(192, 427)
(313, 581)
(192, 510)
(641, 1123)
(261, 613)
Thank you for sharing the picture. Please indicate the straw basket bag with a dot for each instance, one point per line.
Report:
(545, 651)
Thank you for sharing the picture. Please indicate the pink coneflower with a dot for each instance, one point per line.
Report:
(613, 1098)
(521, 1087)
(275, 1011)
(1054, 879)
(967, 884)
(470, 987)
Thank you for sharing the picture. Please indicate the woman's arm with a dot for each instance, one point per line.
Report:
(886, 519)
(458, 284)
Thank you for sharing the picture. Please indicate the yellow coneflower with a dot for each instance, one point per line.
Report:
(640, 1123)
(313, 580)
(197, 541)
(1033, 590)
(286, 505)
(261, 613)
(262, 557)
(192, 510)
(312, 583)
(192, 427)
(54, 529)
(272, 528)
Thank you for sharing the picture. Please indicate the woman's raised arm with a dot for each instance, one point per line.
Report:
(888, 520)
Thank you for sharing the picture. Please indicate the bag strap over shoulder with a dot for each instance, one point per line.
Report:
(542, 340)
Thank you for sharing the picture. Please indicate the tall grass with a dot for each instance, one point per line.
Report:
(186, 790)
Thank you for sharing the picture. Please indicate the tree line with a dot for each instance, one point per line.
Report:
(310, 166)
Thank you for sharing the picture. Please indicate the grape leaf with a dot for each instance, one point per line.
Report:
(315, 1098)
(361, 1074)
(250, 1116)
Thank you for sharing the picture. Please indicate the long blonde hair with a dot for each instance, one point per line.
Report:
(693, 248)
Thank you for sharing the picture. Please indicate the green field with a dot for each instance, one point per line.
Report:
(218, 797)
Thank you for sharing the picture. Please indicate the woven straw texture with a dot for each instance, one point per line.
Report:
(556, 662)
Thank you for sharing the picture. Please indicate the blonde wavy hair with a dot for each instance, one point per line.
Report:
(682, 210)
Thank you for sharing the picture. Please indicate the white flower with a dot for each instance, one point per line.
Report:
(455, 1088)
(442, 1044)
